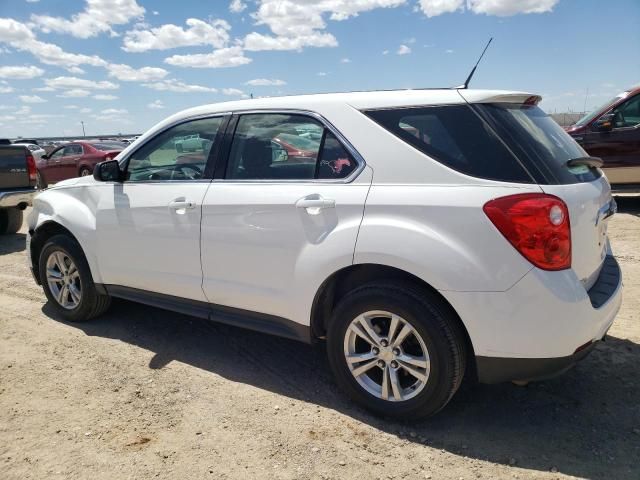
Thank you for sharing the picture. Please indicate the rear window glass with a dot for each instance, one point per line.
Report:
(105, 147)
(539, 141)
(456, 137)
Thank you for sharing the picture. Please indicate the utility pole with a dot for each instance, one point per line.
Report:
(83, 133)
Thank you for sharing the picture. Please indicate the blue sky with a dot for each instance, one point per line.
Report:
(123, 65)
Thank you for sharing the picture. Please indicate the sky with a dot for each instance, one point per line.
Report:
(124, 65)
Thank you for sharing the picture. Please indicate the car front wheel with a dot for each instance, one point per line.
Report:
(67, 281)
(396, 350)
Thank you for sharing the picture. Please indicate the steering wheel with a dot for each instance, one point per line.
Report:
(194, 174)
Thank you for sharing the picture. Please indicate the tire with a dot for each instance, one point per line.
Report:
(91, 304)
(41, 183)
(84, 171)
(434, 325)
(10, 220)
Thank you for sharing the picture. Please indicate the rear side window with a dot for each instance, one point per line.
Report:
(280, 146)
(456, 137)
(539, 141)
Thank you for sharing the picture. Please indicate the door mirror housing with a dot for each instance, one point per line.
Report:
(108, 171)
(44, 157)
(604, 123)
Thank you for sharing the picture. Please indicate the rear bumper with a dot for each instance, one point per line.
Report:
(497, 369)
(534, 329)
(14, 198)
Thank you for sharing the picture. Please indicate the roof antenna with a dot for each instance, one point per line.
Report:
(465, 85)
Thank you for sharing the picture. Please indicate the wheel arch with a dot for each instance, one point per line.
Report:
(338, 284)
(39, 238)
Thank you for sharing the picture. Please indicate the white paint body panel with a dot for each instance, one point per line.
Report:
(257, 251)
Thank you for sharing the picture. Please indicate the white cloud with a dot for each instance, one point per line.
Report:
(126, 73)
(24, 110)
(173, 85)
(98, 17)
(403, 50)
(385, 52)
(221, 58)
(214, 33)
(237, 6)
(21, 37)
(232, 91)
(101, 96)
(74, 82)
(322, 74)
(31, 99)
(265, 82)
(448, 51)
(20, 73)
(296, 24)
(156, 105)
(71, 107)
(501, 8)
(6, 89)
(114, 111)
(256, 42)
(76, 70)
(74, 93)
(43, 89)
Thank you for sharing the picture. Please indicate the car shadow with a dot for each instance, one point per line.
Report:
(628, 204)
(585, 423)
(16, 242)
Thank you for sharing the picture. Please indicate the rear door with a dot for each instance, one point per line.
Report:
(266, 222)
(545, 148)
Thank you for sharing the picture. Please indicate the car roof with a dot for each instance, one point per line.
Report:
(360, 100)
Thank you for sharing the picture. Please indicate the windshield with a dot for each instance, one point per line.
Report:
(533, 134)
(590, 116)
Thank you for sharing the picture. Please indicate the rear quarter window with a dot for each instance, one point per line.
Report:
(455, 136)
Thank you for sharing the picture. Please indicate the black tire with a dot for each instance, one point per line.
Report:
(10, 220)
(41, 183)
(84, 171)
(434, 322)
(92, 304)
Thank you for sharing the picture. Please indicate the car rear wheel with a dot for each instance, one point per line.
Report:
(10, 220)
(67, 281)
(84, 172)
(396, 350)
(41, 183)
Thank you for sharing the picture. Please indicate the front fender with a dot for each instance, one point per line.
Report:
(75, 210)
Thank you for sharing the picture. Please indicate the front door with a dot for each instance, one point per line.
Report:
(275, 213)
(68, 166)
(53, 166)
(149, 225)
(619, 147)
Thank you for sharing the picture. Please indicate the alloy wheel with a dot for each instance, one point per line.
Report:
(387, 356)
(63, 279)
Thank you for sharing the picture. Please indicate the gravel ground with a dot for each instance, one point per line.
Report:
(142, 393)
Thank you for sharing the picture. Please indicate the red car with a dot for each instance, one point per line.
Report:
(75, 159)
(612, 132)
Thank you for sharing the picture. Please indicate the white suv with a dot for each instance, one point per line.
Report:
(423, 234)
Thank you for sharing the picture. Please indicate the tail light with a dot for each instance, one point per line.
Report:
(109, 156)
(537, 225)
(31, 169)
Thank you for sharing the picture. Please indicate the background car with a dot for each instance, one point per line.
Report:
(36, 150)
(75, 159)
(612, 132)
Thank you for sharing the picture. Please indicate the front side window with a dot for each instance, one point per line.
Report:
(58, 153)
(286, 147)
(627, 114)
(179, 153)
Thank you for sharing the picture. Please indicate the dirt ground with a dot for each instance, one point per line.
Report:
(143, 393)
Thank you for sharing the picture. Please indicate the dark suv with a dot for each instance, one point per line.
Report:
(612, 132)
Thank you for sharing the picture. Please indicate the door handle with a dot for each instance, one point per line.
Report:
(181, 205)
(314, 203)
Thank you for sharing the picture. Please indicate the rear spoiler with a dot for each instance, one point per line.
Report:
(475, 96)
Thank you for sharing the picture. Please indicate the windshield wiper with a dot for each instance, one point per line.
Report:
(593, 162)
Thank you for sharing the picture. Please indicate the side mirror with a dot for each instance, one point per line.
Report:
(108, 171)
(45, 157)
(604, 123)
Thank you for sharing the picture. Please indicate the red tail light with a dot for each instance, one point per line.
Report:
(31, 168)
(109, 156)
(537, 225)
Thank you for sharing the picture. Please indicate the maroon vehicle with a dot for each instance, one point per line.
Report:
(75, 159)
(612, 132)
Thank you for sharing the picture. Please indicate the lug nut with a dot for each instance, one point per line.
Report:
(394, 364)
(396, 351)
(375, 350)
(384, 343)
(381, 363)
